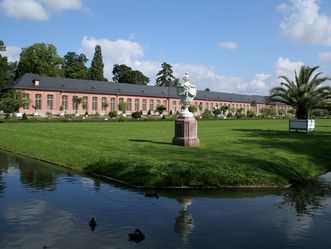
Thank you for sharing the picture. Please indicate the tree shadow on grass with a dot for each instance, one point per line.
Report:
(316, 146)
(148, 141)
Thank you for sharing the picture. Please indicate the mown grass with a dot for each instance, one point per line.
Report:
(232, 152)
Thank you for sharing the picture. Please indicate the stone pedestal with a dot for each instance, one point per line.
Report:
(186, 132)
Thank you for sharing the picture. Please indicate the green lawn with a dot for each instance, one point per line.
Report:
(232, 152)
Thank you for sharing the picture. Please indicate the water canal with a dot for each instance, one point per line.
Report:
(42, 206)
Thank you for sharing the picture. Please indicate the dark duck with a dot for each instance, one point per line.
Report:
(92, 223)
(137, 235)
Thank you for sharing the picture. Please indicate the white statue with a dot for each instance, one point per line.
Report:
(186, 92)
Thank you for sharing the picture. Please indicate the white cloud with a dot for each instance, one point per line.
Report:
(286, 67)
(37, 9)
(325, 57)
(261, 82)
(59, 5)
(132, 54)
(303, 22)
(229, 45)
(12, 52)
(24, 9)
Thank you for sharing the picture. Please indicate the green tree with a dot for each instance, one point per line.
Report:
(96, 70)
(124, 74)
(40, 58)
(12, 100)
(207, 89)
(74, 66)
(165, 76)
(122, 106)
(77, 101)
(7, 69)
(304, 93)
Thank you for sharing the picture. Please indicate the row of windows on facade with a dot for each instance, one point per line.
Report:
(112, 104)
(104, 104)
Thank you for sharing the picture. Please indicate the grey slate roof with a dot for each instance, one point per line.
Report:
(100, 87)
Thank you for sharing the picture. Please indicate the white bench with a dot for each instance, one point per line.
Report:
(307, 125)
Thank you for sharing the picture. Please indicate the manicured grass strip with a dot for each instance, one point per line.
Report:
(232, 152)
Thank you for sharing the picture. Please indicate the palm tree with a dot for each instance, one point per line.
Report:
(12, 100)
(305, 93)
(77, 101)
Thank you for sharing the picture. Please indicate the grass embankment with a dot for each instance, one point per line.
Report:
(232, 152)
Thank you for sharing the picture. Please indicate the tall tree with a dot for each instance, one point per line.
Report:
(124, 74)
(40, 58)
(165, 76)
(2, 46)
(304, 93)
(7, 69)
(96, 70)
(74, 66)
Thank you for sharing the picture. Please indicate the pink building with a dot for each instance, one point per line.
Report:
(55, 95)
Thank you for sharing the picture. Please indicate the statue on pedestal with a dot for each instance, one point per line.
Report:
(185, 124)
(187, 93)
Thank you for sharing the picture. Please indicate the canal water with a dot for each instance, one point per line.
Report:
(42, 206)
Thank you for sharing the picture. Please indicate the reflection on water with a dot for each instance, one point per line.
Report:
(184, 224)
(309, 198)
(42, 206)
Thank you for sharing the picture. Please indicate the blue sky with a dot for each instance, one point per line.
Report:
(229, 45)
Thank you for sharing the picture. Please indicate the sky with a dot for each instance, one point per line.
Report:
(237, 46)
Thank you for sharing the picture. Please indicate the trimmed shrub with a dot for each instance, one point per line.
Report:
(24, 117)
(217, 112)
(112, 114)
(136, 115)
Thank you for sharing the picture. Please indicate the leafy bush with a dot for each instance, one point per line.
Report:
(268, 112)
(24, 117)
(112, 114)
(161, 109)
(281, 112)
(193, 108)
(217, 112)
(319, 113)
(136, 115)
(251, 113)
(291, 111)
(207, 114)
(149, 112)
